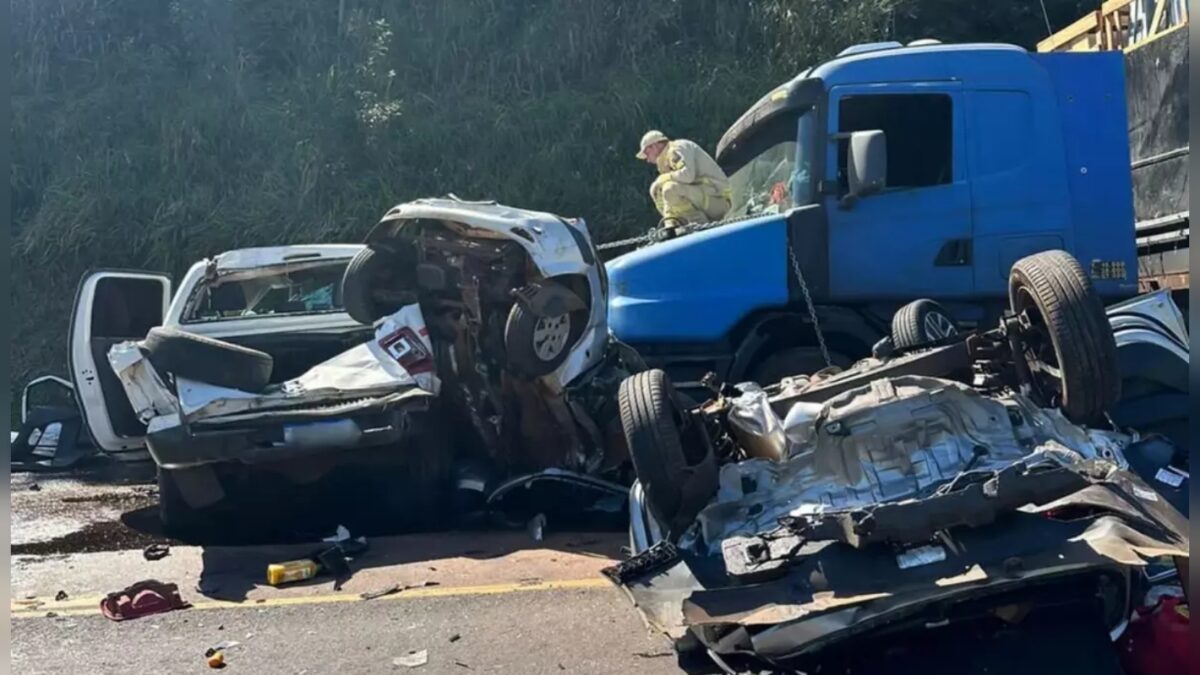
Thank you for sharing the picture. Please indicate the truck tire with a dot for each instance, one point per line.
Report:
(359, 282)
(1068, 331)
(538, 345)
(920, 322)
(201, 358)
(677, 475)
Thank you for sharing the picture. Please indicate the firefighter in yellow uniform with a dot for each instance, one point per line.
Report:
(691, 187)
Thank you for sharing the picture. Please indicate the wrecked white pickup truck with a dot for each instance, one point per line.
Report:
(481, 342)
(961, 506)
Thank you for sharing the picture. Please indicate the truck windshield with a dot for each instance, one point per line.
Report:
(310, 289)
(779, 176)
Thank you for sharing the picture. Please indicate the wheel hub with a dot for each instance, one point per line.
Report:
(550, 336)
(938, 326)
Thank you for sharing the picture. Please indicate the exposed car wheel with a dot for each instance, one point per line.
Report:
(794, 361)
(672, 458)
(538, 344)
(920, 322)
(1066, 338)
(359, 282)
(213, 361)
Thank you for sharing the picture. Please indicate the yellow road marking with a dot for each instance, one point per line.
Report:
(90, 606)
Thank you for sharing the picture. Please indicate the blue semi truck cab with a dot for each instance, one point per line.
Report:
(887, 174)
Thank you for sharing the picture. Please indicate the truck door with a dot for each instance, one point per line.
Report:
(913, 238)
(112, 307)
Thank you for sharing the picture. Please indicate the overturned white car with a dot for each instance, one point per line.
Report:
(958, 506)
(487, 345)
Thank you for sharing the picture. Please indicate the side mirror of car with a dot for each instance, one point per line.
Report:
(866, 165)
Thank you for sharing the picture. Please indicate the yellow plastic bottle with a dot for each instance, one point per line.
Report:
(291, 571)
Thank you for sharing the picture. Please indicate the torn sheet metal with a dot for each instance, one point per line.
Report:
(895, 439)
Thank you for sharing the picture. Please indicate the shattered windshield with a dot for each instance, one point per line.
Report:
(779, 176)
(277, 291)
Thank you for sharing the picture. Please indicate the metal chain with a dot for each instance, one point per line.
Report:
(812, 310)
(657, 234)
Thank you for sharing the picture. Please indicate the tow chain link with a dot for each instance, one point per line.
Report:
(660, 234)
(812, 310)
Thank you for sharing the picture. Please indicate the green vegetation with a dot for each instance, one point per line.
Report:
(148, 134)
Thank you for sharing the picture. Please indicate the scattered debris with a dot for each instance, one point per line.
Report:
(215, 659)
(652, 655)
(34, 487)
(388, 590)
(413, 659)
(395, 588)
(460, 664)
(51, 615)
(215, 655)
(141, 599)
(455, 638)
(292, 571)
(60, 596)
(156, 552)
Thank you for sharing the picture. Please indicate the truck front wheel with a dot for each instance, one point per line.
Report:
(794, 361)
(920, 322)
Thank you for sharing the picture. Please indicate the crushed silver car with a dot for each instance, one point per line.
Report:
(942, 508)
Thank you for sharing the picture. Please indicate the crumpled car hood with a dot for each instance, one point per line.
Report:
(554, 244)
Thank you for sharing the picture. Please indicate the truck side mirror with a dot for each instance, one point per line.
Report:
(866, 163)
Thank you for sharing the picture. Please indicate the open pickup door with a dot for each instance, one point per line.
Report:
(112, 306)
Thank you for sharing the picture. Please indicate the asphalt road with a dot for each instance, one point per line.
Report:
(477, 602)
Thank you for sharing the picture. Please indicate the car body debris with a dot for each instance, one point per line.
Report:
(967, 491)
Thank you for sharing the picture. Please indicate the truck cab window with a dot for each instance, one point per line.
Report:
(919, 133)
(777, 176)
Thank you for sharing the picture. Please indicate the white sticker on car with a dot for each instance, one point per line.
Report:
(1168, 476)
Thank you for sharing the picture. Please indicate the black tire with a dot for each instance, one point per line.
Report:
(1068, 330)
(359, 282)
(920, 322)
(793, 361)
(522, 342)
(213, 361)
(669, 468)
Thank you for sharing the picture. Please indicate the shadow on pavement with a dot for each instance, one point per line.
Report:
(231, 572)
